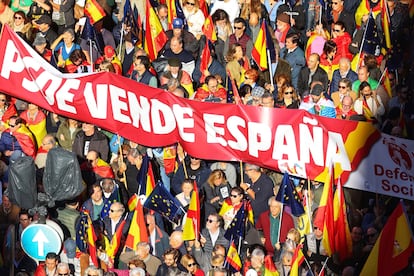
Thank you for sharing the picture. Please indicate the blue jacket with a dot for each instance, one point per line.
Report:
(296, 59)
(336, 77)
(9, 142)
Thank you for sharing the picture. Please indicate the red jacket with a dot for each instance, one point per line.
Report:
(342, 44)
(203, 93)
(263, 223)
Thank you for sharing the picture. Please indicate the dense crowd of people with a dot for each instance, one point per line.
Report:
(334, 61)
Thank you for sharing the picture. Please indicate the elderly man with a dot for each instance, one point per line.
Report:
(270, 221)
(344, 71)
(143, 253)
(157, 237)
(63, 269)
(114, 219)
(345, 110)
(48, 142)
(94, 168)
(258, 188)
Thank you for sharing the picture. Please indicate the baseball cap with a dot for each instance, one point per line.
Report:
(317, 90)
(177, 23)
(44, 19)
(258, 91)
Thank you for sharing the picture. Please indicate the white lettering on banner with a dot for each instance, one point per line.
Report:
(285, 144)
(184, 122)
(211, 122)
(97, 106)
(162, 118)
(138, 109)
(233, 124)
(119, 104)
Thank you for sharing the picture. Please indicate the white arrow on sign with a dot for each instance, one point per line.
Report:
(40, 238)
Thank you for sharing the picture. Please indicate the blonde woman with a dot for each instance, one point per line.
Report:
(189, 262)
(194, 17)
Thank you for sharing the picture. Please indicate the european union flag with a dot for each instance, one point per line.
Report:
(163, 202)
(290, 197)
(131, 20)
(113, 197)
(238, 224)
(81, 241)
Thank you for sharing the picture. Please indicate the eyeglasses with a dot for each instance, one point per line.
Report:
(342, 87)
(63, 274)
(12, 125)
(335, 3)
(113, 211)
(191, 4)
(192, 264)
(210, 220)
(371, 235)
(336, 30)
(18, 17)
(234, 196)
(289, 92)
(194, 158)
(238, 28)
(90, 160)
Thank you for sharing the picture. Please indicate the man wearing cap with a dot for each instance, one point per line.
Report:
(191, 44)
(40, 44)
(174, 72)
(44, 24)
(312, 73)
(317, 104)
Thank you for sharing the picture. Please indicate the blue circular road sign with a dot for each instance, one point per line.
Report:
(39, 239)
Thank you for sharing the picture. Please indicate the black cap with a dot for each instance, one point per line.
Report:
(44, 19)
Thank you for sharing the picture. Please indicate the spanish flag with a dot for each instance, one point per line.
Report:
(155, 37)
(90, 232)
(191, 226)
(259, 53)
(393, 248)
(26, 140)
(112, 247)
(209, 30)
(37, 125)
(138, 229)
(94, 11)
(233, 261)
(385, 21)
(387, 83)
(297, 260)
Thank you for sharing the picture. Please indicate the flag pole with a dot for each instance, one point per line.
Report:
(323, 267)
(241, 172)
(309, 207)
(91, 51)
(120, 40)
(269, 62)
(280, 222)
(121, 155)
(363, 40)
(382, 75)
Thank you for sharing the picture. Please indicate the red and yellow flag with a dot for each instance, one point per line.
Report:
(113, 246)
(343, 241)
(233, 258)
(393, 247)
(324, 218)
(172, 12)
(191, 226)
(387, 83)
(297, 260)
(138, 228)
(94, 11)
(385, 21)
(155, 37)
(209, 30)
(259, 53)
(90, 232)
(204, 59)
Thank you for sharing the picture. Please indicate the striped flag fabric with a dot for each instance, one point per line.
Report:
(204, 59)
(155, 37)
(137, 229)
(115, 243)
(289, 196)
(233, 261)
(385, 22)
(387, 83)
(263, 43)
(324, 219)
(393, 248)
(297, 260)
(86, 237)
(209, 30)
(145, 177)
(94, 11)
(343, 241)
(191, 226)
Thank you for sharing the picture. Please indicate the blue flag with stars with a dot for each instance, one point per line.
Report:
(289, 196)
(163, 202)
(114, 197)
(237, 225)
(81, 228)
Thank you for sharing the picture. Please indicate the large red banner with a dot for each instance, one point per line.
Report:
(285, 140)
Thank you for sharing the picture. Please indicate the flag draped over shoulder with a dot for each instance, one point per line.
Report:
(137, 229)
(163, 202)
(289, 196)
(155, 37)
(26, 140)
(270, 268)
(393, 247)
(233, 262)
(237, 226)
(263, 43)
(191, 226)
(343, 241)
(94, 11)
(324, 218)
(86, 237)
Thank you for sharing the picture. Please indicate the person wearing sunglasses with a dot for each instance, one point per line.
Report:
(21, 25)
(342, 39)
(189, 262)
(7, 109)
(114, 219)
(194, 17)
(344, 89)
(339, 13)
(287, 97)
(232, 205)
